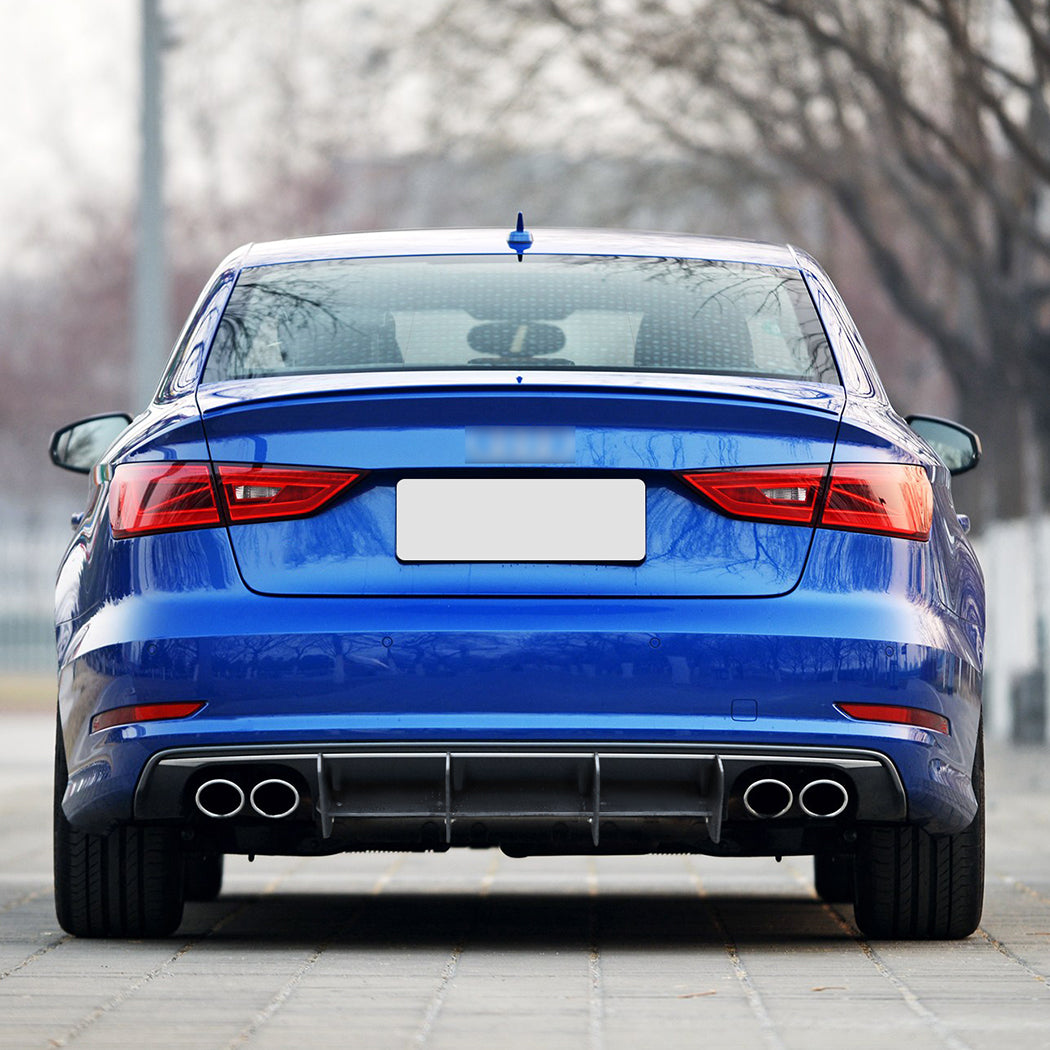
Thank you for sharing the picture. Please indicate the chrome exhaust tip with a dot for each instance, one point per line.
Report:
(274, 798)
(219, 799)
(768, 799)
(823, 798)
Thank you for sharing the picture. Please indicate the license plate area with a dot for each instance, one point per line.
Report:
(578, 520)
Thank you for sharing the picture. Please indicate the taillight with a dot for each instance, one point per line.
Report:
(157, 497)
(162, 497)
(892, 499)
(907, 716)
(779, 494)
(264, 493)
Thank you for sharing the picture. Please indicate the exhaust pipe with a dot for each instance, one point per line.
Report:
(823, 798)
(768, 799)
(274, 799)
(219, 799)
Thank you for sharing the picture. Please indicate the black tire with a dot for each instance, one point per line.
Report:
(203, 875)
(833, 877)
(124, 884)
(916, 886)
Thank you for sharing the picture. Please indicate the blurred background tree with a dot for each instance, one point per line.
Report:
(914, 133)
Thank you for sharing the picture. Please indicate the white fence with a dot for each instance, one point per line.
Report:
(1014, 557)
(31, 544)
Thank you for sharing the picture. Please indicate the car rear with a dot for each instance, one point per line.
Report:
(559, 553)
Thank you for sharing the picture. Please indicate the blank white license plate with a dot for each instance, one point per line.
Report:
(521, 519)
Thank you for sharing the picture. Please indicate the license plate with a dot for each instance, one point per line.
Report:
(521, 520)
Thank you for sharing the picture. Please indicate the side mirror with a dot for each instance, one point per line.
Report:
(958, 446)
(79, 446)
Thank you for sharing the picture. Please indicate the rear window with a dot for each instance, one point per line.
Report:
(544, 312)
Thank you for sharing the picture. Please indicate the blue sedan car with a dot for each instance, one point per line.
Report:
(573, 542)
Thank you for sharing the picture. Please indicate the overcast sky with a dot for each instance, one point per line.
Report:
(69, 81)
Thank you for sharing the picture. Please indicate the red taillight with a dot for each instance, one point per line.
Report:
(161, 497)
(907, 716)
(263, 493)
(893, 499)
(156, 497)
(119, 716)
(787, 494)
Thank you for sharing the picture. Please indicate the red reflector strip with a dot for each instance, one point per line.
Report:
(785, 494)
(154, 497)
(908, 716)
(260, 493)
(119, 716)
(893, 499)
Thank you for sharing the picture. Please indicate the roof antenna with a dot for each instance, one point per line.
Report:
(520, 239)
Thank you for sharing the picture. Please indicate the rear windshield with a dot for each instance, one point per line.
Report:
(544, 312)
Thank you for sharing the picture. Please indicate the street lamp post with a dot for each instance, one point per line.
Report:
(151, 291)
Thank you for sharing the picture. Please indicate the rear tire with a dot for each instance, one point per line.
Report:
(833, 877)
(127, 883)
(203, 874)
(917, 886)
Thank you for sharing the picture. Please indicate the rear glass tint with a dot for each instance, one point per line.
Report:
(545, 312)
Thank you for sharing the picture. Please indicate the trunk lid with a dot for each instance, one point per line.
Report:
(595, 443)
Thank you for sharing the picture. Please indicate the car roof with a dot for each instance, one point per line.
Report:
(494, 242)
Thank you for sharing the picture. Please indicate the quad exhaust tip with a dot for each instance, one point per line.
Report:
(823, 798)
(220, 799)
(274, 799)
(768, 799)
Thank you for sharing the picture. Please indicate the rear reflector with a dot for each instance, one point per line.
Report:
(156, 497)
(120, 716)
(908, 716)
(264, 493)
(163, 497)
(892, 499)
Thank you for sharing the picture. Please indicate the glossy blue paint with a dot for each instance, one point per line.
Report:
(519, 239)
(532, 670)
(522, 669)
(690, 549)
(816, 396)
(309, 632)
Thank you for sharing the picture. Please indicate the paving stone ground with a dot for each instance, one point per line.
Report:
(472, 949)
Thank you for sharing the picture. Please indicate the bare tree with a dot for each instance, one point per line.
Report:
(922, 123)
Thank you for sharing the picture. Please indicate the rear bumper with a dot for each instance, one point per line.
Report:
(603, 797)
(696, 678)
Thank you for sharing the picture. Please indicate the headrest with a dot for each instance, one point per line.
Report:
(713, 338)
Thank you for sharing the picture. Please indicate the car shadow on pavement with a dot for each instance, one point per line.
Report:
(512, 922)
